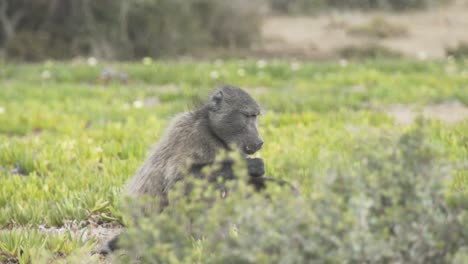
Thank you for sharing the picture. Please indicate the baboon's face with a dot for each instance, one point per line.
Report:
(233, 118)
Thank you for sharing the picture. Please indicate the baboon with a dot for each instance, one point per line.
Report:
(227, 122)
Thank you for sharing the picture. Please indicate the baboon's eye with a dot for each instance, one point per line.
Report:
(250, 115)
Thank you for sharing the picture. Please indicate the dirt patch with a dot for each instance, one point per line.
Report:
(449, 112)
(403, 114)
(429, 32)
(100, 233)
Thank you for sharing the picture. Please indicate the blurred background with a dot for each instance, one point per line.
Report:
(35, 30)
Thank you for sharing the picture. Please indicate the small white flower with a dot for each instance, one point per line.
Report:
(92, 61)
(241, 72)
(218, 63)
(147, 61)
(422, 55)
(68, 144)
(98, 150)
(2, 110)
(343, 63)
(138, 104)
(48, 64)
(261, 64)
(90, 140)
(295, 66)
(126, 106)
(46, 75)
(214, 74)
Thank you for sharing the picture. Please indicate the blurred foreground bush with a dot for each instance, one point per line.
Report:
(388, 206)
(125, 29)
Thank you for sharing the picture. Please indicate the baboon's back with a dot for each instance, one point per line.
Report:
(187, 141)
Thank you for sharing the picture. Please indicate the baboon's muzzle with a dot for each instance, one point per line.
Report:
(252, 148)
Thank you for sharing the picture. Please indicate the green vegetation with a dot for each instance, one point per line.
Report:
(386, 207)
(68, 144)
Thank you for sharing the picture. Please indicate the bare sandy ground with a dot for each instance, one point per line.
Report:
(449, 112)
(429, 32)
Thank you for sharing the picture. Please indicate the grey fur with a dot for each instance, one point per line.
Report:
(227, 120)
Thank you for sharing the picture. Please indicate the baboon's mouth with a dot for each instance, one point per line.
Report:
(249, 150)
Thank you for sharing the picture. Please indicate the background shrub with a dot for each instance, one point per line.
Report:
(129, 29)
(369, 50)
(378, 28)
(125, 29)
(459, 51)
(311, 6)
(387, 206)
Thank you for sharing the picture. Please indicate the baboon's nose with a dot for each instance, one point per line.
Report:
(259, 144)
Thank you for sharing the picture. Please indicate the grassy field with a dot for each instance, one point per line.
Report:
(68, 142)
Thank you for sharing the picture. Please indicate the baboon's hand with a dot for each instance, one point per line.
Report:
(256, 167)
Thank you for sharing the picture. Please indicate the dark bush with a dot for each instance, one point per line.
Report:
(124, 29)
(34, 46)
(297, 6)
(459, 51)
(390, 206)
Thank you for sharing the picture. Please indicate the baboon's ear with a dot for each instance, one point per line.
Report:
(215, 101)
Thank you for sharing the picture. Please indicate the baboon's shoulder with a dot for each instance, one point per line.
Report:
(189, 137)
